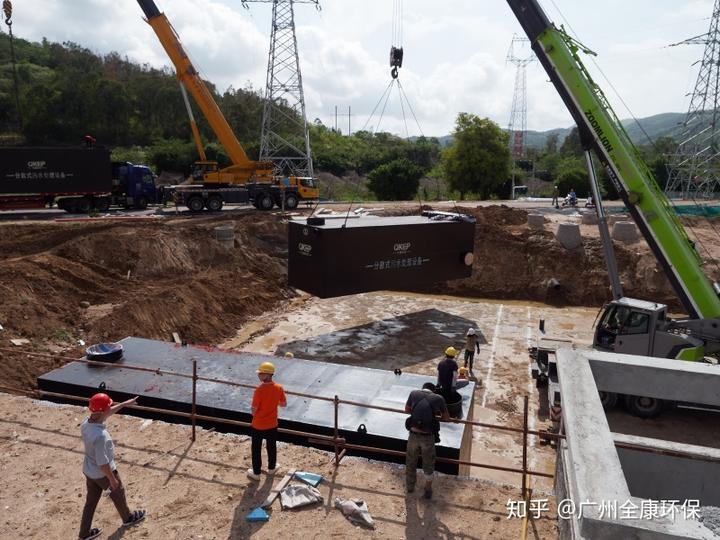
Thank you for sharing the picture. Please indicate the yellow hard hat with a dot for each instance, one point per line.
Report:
(266, 367)
(288, 354)
(451, 352)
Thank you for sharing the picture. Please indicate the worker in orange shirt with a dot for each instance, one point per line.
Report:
(266, 400)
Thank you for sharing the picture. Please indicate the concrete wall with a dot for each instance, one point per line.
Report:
(592, 469)
(662, 378)
(662, 477)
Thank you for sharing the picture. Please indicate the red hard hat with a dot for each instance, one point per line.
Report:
(100, 403)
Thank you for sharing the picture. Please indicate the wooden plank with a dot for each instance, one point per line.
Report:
(176, 338)
(276, 490)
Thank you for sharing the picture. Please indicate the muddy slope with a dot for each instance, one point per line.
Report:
(140, 279)
(516, 262)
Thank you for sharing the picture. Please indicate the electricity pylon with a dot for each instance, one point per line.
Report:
(517, 128)
(694, 169)
(285, 139)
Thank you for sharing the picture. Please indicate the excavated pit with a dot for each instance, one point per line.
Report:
(102, 281)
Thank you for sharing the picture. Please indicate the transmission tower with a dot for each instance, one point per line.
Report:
(519, 55)
(694, 169)
(285, 139)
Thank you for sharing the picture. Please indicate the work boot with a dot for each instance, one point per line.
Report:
(252, 476)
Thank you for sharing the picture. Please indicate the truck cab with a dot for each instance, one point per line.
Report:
(307, 187)
(133, 186)
(631, 326)
(627, 326)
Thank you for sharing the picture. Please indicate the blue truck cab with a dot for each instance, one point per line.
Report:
(133, 186)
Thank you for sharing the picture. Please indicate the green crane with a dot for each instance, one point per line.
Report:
(628, 325)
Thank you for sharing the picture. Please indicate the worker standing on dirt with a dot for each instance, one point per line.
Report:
(555, 196)
(99, 466)
(472, 345)
(266, 400)
(447, 373)
(424, 407)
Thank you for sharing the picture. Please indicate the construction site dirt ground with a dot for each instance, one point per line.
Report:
(103, 280)
(410, 331)
(199, 490)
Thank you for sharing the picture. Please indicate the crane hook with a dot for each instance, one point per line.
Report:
(7, 8)
(394, 72)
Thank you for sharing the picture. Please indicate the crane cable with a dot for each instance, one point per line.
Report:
(396, 59)
(396, 48)
(7, 10)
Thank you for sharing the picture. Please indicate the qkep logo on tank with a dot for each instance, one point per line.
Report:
(402, 248)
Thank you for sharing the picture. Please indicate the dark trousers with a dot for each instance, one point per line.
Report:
(95, 488)
(469, 357)
(270, 436)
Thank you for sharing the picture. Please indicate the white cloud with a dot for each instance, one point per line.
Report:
(454, 51)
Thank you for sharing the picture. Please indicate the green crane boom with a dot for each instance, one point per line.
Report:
(601, 130)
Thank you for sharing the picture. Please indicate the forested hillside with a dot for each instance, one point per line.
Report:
(66, 91)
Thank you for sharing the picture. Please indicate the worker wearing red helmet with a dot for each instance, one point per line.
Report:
(266, 400)
(99, 466)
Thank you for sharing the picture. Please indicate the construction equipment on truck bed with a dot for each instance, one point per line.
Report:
(245, 181)
(76, 179)
(628, 325)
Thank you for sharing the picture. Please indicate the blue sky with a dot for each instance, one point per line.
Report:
(455, 51)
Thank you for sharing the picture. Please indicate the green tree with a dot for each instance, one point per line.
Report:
(397, 180)
(551, 143)
(576, 179)
(572, 146)
(173, 155)
(478, 160)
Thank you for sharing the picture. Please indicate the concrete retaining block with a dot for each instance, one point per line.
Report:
(625, 231)
(589, 217)
(612, 219)
(536, 221)
(568, 234)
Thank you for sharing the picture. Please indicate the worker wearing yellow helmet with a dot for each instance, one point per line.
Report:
(447, 373)
(268, 396)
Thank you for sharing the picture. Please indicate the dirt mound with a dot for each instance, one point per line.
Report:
(497, 215)
(515, 262)
(140, 279)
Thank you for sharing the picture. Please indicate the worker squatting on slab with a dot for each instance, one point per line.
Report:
(99, 466)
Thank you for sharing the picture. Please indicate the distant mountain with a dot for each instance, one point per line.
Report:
(656, 126)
